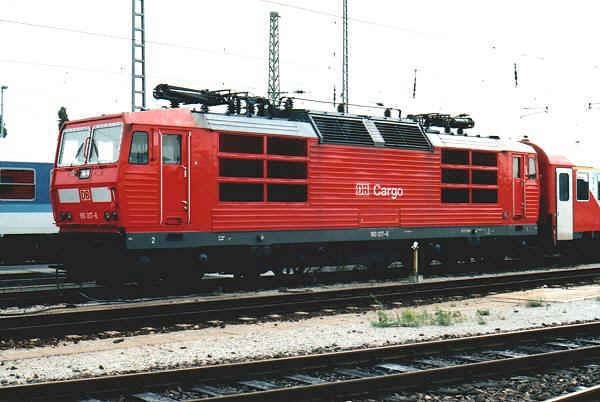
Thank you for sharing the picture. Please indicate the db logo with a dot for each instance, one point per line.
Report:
(363, 189)
(84, 194)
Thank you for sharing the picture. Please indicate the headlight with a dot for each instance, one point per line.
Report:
(84, 173)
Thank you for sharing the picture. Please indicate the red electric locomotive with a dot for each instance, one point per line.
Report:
(178, 190)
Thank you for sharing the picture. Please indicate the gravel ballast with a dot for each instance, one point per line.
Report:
(74, 359)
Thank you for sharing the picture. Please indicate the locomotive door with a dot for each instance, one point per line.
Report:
(564, 204)
(518, 186)
(174, 179)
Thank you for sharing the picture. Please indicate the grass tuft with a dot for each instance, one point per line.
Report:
(416, 318)
(480, 314)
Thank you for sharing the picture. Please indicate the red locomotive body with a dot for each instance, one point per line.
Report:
(271, 193)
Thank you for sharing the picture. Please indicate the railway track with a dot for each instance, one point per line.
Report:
(165, 312)
(22, 288)
(591, 394)
(348, 374)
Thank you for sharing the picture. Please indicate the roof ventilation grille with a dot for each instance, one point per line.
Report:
(405, 136)
(341, 130)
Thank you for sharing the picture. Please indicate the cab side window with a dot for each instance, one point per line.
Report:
(138, 153)
(171, 149)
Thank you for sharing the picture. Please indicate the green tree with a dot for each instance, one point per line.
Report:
(62, 116)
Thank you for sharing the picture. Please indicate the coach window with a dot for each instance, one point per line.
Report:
(583, 186)
(17, 184)
(531, 169)
(171, 149)
(563, 187)
(138, 153)
(598, 187)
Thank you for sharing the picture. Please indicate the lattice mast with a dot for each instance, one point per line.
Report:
(138, 56)
(274, 90)
(345, 91)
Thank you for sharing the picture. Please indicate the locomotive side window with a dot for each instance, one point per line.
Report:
(475, 181)
(243, 192)
(138, 153)
(17, 184)
(286, 170)
(484, 159)
(598, 188)
(240, 144)
(256, 168)
(583, 186)
(286, 192)
(286, 146)
(171, 149)
(240, 167)
(455, 157)
(455, 195)
(531, 169)
(563, 187)
(485, 196)
(484, 177)
(455, 176)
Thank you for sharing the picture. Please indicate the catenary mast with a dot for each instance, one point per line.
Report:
(138, 56)
(274, 90)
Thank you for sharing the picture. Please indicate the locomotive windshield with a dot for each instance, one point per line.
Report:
(105, 144)
(72, 147)
(78, 147)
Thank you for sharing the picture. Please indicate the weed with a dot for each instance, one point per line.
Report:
(383, 320)
(445, 318)
(534, 303)
(378, 303)
(483, 313)
(415, 318)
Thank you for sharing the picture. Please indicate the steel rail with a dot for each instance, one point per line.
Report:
(41, 293)
(423, 378)
(591, 394)
(85, 320)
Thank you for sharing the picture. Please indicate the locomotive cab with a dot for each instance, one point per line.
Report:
(86, 175)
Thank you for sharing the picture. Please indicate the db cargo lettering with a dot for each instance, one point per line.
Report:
(378, 190)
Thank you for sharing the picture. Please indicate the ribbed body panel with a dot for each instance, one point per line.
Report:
(140, 191)
(335, 174)
(532, 201)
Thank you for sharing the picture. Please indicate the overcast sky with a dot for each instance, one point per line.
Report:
(463, 52)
